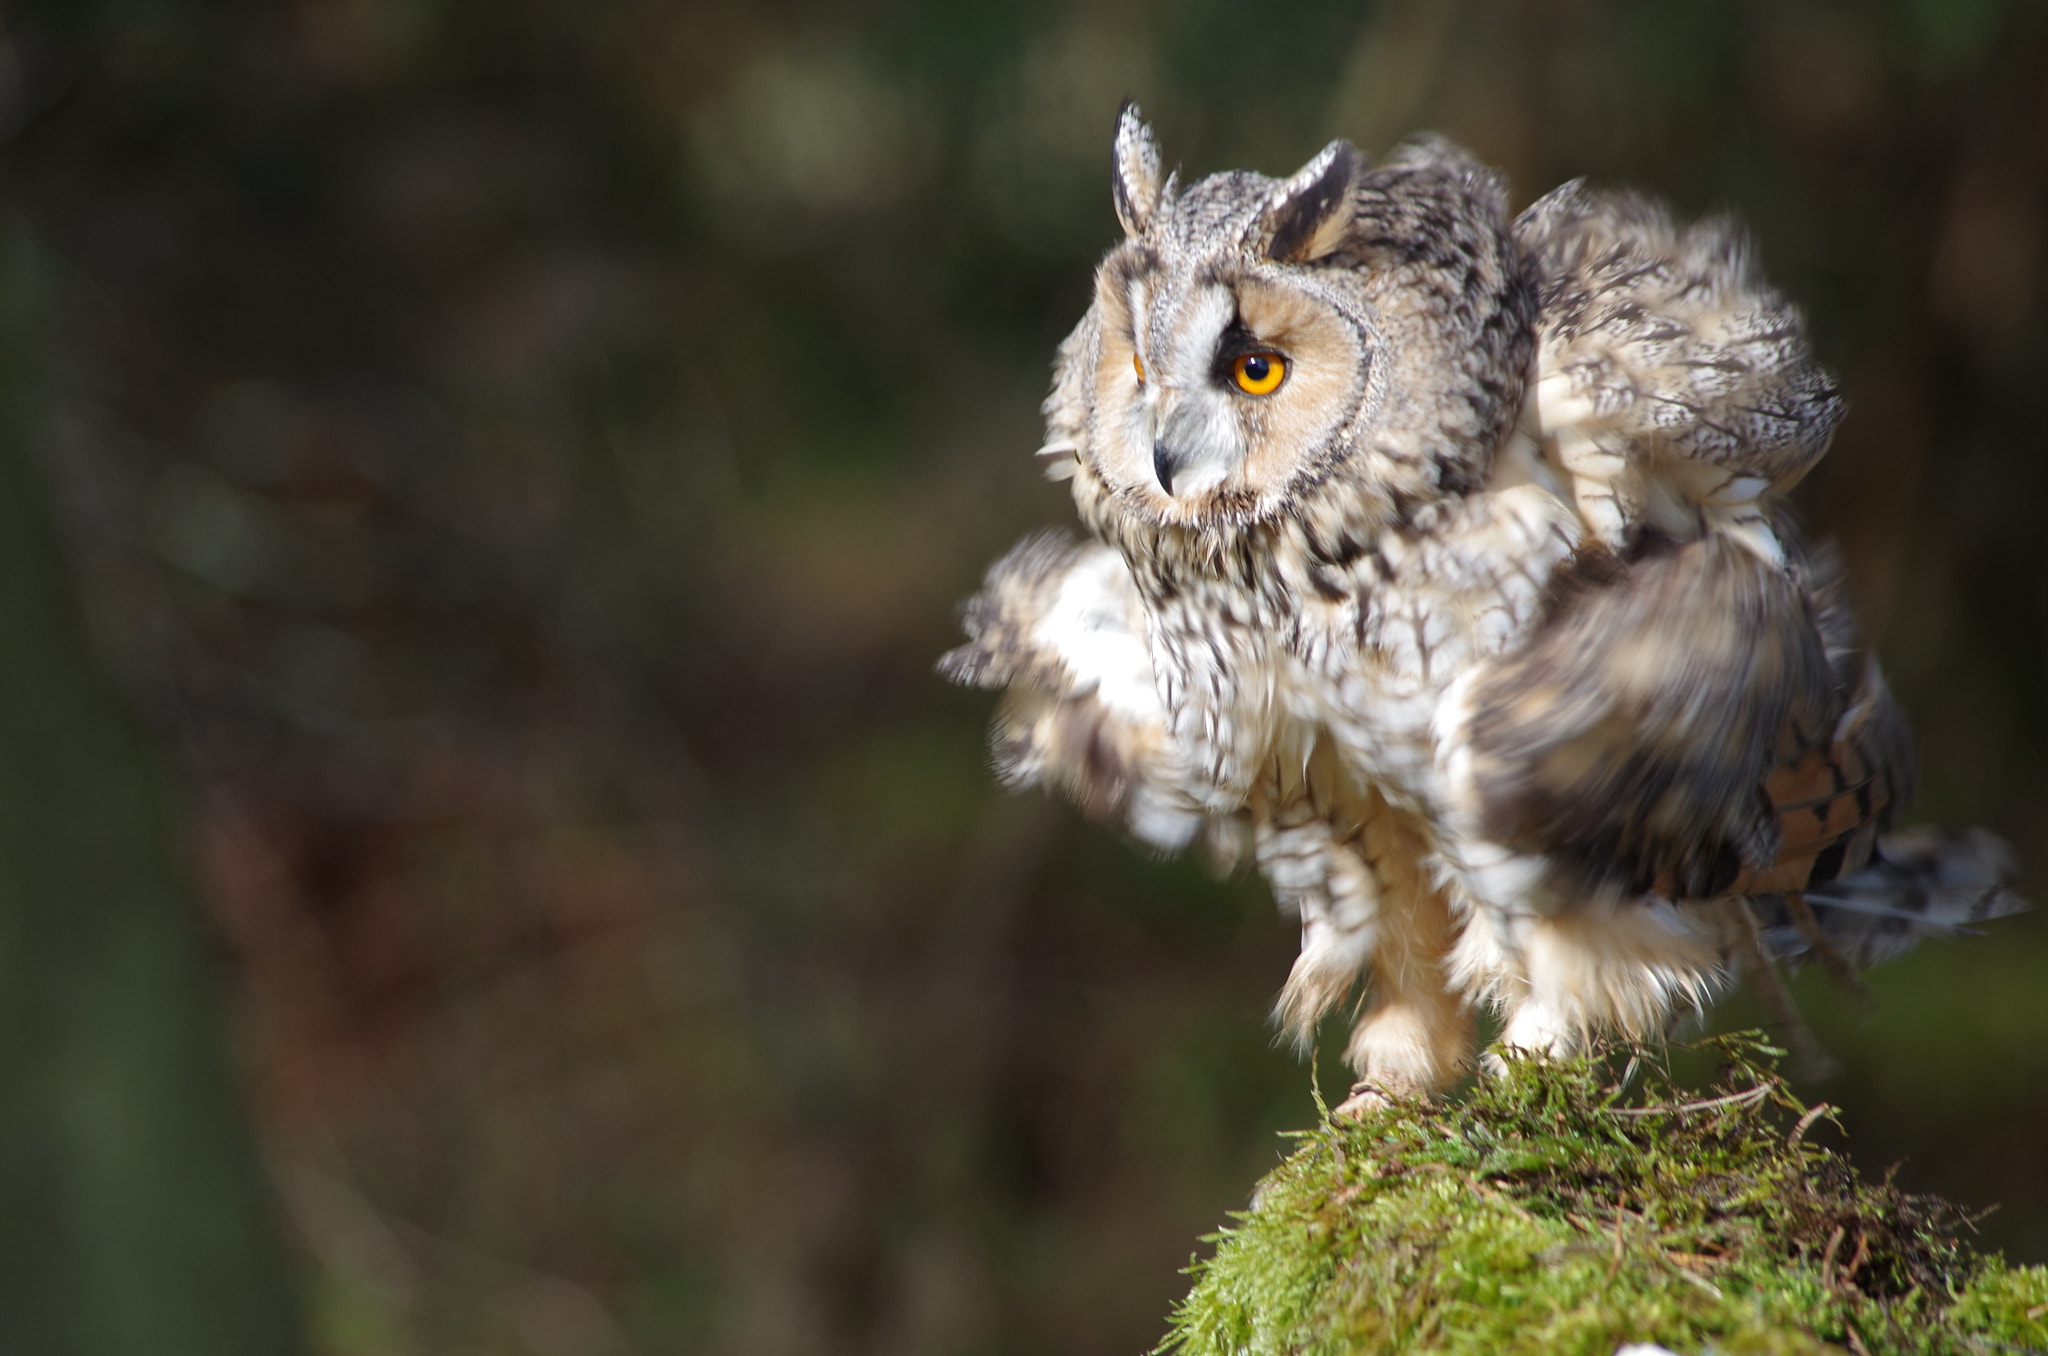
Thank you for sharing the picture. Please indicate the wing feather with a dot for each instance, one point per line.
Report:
(1059, 624)
(1673, 385)
(1693, 718)
(1699, 722)
(1919, 884)
(1629, 741)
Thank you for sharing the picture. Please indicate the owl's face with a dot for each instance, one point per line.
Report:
(1227, 369)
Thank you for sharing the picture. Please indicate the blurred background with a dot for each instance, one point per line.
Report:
(489, 867)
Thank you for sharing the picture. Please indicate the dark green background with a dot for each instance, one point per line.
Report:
(521, 457)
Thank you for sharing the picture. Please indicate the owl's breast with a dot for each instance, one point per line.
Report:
(1432, 606)
(1218, 673)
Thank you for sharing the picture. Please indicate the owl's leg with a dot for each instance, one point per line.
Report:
(1354, 869)
(1563, 969)
(1416, 1035)
(1415, 1038)
(1597, 969)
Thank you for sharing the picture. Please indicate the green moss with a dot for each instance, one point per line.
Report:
(1567, 1208)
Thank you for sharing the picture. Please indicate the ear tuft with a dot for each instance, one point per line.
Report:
(1135, 178)
(1308, 215)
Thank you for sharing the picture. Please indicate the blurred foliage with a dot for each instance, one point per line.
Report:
(525, 455)
(136, 1215)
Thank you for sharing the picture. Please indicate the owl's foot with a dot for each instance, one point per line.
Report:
(1494, 1063)
(1376, 1093)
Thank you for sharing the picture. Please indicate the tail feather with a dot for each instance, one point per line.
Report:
(1918, 884)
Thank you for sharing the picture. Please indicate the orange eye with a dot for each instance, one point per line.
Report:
(1259, 373)
(1138, 366)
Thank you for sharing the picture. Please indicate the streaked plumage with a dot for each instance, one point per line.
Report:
(1484, 626)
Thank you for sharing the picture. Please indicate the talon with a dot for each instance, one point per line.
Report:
(1366, 1097)
(1376, 1093)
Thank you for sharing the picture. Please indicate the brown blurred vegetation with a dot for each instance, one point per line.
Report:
(523, 455)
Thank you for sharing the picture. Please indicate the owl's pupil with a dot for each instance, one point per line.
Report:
(1257, 369)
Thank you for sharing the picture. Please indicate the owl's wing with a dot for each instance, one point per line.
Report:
(1698, 722)
(1919, 884)
(1058, 623)
(1674, 387)
(1831, 798)
(1693, 717)
(1630, 741)
(1842, 885)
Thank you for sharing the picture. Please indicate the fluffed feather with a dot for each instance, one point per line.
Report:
(1059, 625)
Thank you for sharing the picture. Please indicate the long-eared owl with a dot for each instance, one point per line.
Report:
(1442, 559)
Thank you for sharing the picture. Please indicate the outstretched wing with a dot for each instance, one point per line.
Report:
(1059, 624)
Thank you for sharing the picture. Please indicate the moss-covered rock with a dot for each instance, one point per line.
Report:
(1577, 1206)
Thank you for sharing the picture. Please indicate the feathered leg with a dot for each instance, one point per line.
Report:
(1416, 1035)
(1621, 968)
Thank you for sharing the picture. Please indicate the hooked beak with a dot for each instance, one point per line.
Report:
(1196, 443)
(1165, 462)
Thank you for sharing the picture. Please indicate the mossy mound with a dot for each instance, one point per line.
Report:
(1577, 1206)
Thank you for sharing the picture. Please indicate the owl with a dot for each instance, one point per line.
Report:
(1441, 561)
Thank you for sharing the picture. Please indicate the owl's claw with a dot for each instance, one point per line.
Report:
(1366, 1097)
(1375, 1093)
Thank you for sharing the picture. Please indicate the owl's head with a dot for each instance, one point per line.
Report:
(1349, 333)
